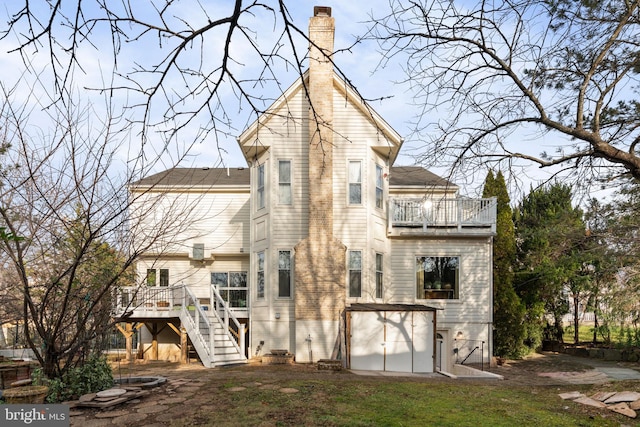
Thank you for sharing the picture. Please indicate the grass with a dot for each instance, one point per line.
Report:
(585, 335)
(354, 401)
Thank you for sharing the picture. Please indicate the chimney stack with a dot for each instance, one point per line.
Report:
(320, 258)
(321, 36)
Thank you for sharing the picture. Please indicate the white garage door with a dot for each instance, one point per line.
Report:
(392, 341)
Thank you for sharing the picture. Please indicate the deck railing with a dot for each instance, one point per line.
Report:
(156, 301)
(446, 212)
(151, 299)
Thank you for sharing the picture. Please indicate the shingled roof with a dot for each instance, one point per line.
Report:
(190, 177)
(416, 176)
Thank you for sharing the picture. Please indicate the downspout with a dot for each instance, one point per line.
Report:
(490, 325)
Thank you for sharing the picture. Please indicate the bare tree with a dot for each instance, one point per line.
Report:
(66, 239)
(548, 82)
(180, 65)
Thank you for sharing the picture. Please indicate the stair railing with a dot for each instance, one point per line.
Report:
(195, 315)
(220, 305)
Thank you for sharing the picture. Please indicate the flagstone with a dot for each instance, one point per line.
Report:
(603, 395)
(590, 402)
(623, 396)
(572, 395)
(623, 408)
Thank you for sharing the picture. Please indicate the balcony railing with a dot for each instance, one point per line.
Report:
(427, 213)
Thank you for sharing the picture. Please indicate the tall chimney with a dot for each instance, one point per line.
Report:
(321, 36)
(320, 269)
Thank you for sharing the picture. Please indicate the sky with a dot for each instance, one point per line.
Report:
(359, 62)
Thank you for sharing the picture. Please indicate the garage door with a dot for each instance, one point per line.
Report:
(392, 341)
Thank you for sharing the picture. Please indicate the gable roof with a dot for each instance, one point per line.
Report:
(417, 176)
(251, 147)
(197, 177)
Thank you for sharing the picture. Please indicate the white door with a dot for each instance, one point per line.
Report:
(423, 341)
(367, 340)
(398, 341)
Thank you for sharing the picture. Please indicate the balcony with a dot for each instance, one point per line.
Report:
(446, 216)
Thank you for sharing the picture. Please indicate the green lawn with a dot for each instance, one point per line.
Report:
(369, 402)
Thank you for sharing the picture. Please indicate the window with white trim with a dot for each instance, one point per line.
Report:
(379, 276)
(437, 277)
(152, 277)
(284, 182)
(355, 274)
(260, 194)
(284, 274)
(379, 187)
(355, 182)
(260, 277)
(232, 287)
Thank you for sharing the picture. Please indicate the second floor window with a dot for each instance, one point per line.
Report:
(284, 274)
(284, 182)
(355, 182)
(379, 187)
(260, 188)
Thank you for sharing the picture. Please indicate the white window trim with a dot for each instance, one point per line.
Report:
(264, 186)
(376, 271)
(290, 182)
(291, 269)
(264, 275)
(349, 182)
(375, 196)
(362, 263)
(458, 291)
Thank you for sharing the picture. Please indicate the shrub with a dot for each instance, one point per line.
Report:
(92, 376)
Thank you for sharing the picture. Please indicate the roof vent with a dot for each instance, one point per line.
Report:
(321, 11)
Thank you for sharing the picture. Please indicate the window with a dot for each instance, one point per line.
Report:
(260, 192)
(164, 277)
(232, 287)
(260, 279)
(151, 277)
(284, 182)
(284, 274)
(379, 276)
(355, 274)
(355, 182)
(379, 187)
(437, 277)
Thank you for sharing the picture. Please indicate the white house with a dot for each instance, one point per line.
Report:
(319, 247)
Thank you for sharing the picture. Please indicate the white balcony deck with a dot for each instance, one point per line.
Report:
(427, 216)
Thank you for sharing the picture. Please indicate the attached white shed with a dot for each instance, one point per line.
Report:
(391, 337)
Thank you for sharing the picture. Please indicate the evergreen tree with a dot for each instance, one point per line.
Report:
(550, 258)
(508, 310)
